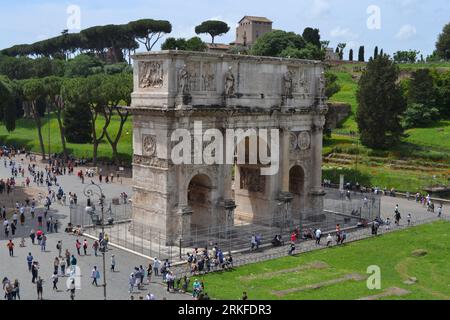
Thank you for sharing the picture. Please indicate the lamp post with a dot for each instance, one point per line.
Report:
(94, 190)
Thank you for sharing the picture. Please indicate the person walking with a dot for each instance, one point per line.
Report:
(149, 273)
(55, 281)
(291, 249)
(62, 265)
(78, 246)
(318, 236)
(156, 265)
(40, 288)
(113, 263)
(16, 290)
(56, 265)
(131, 281)
(29, 261)
(440, 211)
(67, 254)
(95, 274)
(34, 271)
(72, 289)
(10, 246)
(95, 246)
(32, 236)
(59, 248)
(73, 261)
(85, 246)
(329, 240)
(43, 242)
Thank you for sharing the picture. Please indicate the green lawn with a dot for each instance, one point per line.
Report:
(26, 135)
(391, 252)
(347, 94)
(436, 136)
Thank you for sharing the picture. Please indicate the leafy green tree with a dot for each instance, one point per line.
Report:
(273, 43)
(409, 56)
(419, 115)
(309, 52)
(332, 86)
(443, 92)
(361, 55)
(117, 90)
(8, 92)
(421, 88)
(443, 43)
(421, 98)
(149, 32)
(90, 92)
(340, 50)
(214, 28)
(53, 90)
(16, 68)
(33, 90)
(312, 36)
(77, 122)
(83, 65)
(193, 44)
(380, 104)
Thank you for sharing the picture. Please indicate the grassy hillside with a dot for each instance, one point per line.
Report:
(422, 158)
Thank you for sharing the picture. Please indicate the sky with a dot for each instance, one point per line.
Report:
(389, 24)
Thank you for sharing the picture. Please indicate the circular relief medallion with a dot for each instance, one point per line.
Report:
(149, 145)
(304, 140)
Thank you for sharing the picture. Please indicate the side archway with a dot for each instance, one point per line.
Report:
(199, 196)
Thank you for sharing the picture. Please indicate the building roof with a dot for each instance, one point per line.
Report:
(218, 46)
(257, 19)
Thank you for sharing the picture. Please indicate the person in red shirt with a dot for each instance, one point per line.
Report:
(293, 237)
(10, 246)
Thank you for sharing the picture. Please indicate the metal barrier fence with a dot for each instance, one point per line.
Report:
(119, 212)
(303, 246)
(149, 241)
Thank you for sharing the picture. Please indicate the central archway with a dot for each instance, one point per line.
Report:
(200, 201)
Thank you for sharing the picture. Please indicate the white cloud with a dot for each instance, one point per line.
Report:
(339, 32)
(320, 7)
(406, 32)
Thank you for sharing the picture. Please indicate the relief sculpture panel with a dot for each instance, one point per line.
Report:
(151, 74)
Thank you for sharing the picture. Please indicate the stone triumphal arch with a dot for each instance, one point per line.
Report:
(173, 90)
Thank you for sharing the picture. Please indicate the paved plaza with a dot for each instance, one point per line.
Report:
(117, 282)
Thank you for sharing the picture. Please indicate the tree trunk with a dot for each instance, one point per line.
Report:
(37, 120)
(115, 142)
(94, 153)
(62, 133)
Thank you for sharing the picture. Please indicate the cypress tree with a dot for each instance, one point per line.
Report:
(380, 104)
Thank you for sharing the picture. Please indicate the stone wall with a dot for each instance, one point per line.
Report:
(337, 113)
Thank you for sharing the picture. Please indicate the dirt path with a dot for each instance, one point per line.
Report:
(268, 275)
(348, 277)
